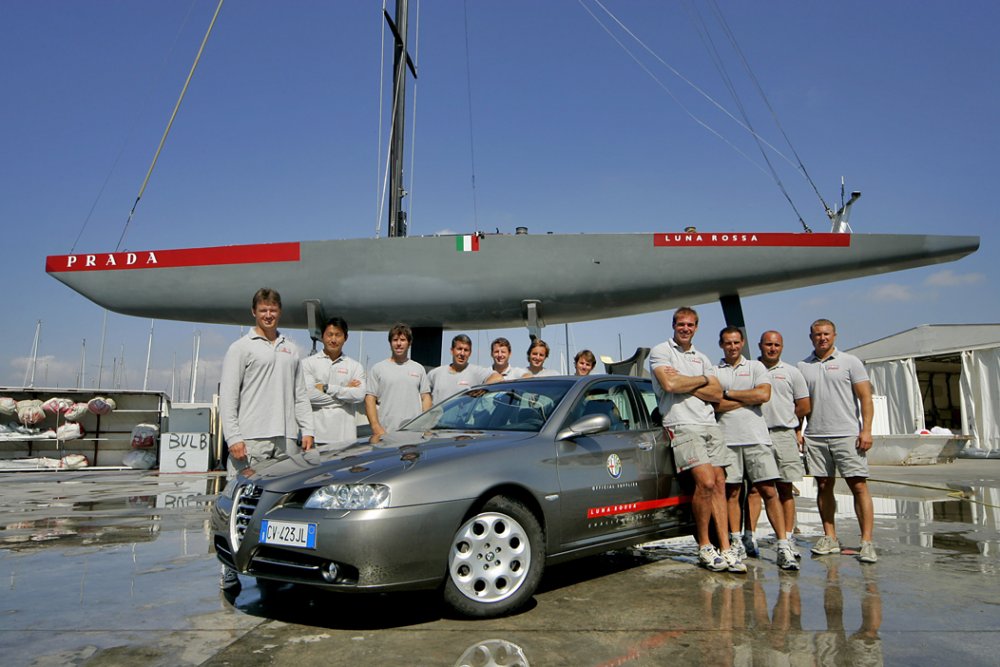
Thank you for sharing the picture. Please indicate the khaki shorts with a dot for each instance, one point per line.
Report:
(828, 456)
(756, 461)
(697, 444)
(786, 451)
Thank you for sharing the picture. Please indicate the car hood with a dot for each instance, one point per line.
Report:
(361, 461)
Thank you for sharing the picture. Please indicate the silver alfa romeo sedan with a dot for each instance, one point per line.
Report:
(474, 497)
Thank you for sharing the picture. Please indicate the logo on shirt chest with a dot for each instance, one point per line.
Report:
(830, 368)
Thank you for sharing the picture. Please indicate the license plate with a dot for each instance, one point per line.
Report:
(288, 534)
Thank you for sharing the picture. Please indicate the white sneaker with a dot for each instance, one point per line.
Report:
(733, 562)
(736, 544)
(867, 554)
(825, 546)
(786, 559)
(795, 549)
(709, 557)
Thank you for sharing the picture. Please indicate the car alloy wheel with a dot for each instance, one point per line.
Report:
(496, 560)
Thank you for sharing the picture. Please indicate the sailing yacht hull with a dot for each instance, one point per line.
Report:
(484, 282)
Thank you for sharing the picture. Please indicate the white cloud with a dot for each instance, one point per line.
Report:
(891, 292)
(48, 372)
(948, 278)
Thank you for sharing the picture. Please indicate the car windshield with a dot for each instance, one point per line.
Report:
(509, 406)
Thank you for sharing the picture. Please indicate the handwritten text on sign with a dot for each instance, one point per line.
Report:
(184, 452)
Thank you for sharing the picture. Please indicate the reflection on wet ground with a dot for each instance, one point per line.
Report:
(101, 568)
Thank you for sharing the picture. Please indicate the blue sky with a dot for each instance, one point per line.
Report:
(278, 140)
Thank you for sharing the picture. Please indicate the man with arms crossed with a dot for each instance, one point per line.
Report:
(685, 387)
(834, 442)
(459, 375)
(783, 413)
(336, 385)
(745, 385)
(398, 389)
(263, 404)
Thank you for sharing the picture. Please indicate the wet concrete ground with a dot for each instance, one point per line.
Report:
(114, 568)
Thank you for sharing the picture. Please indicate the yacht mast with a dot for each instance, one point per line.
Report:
(401, 60)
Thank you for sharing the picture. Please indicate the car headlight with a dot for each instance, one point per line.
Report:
(349, 497)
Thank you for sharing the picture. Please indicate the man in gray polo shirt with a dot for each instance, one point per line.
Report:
(783, 413)
(500, 351)
(834, 439)
(459, 375)
(745, 386)
(685, 386)
(398, 389)
(263, 402)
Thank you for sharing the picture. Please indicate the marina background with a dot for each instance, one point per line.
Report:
(560, 130)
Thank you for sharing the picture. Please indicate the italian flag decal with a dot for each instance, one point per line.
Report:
(467, 243)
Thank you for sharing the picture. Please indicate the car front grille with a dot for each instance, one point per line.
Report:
(244, 505)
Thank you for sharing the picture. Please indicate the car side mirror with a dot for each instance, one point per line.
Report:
(588, 425)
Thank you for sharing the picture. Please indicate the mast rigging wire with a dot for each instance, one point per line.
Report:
(767, 102)
(128, 133)
(687, 81)
(720, 67)
(413, 125)
(170, 123)
(659, 81)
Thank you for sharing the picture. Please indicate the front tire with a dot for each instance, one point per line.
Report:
(496, 560)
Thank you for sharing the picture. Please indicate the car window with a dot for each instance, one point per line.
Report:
(515, 406)
(649, 400)
(611, 398)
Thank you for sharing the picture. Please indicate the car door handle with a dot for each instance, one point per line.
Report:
(646, 446)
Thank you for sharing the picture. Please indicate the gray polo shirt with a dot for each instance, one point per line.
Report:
(787, 386)
(262, 392)
(398, 388)
(679, 409)
(446, 382)
(744, 425)
(835, 411)
(334, 411)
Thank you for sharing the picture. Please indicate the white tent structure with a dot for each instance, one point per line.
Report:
(944, 375)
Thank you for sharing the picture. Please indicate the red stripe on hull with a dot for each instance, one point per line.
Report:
(751, 239)
(628, 508)
(260, 253)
